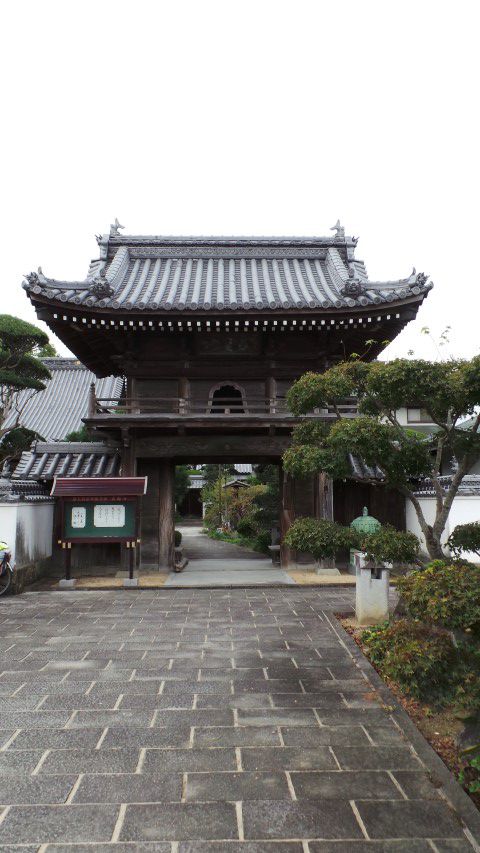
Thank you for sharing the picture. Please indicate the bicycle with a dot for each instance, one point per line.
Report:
(6, 569)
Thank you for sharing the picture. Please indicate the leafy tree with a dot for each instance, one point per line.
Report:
(47, 351)
(15, 442)
(82, 434)
(232, 508)
(20, 368)
(448, 391)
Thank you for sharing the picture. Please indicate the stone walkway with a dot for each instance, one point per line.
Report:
(213, 562)
(201, 721)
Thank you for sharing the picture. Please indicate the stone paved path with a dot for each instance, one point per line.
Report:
(194, 721)
(217, 563)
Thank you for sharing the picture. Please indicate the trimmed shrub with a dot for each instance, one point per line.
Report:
(465, 537)
(448, 595)
(388, 545)
(178, 539)
(320, 537)
(419, 658)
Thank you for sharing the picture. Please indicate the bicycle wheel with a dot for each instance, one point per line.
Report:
(5, 578)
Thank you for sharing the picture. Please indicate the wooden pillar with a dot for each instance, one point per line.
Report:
(166, 514)
(128, 453)
(286, 516)
(271, 394)
(92, 401)
(183, 395)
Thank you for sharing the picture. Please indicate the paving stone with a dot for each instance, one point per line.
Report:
(410, 846)
(180, 822)
(417, 785)
(129, 787)
(15, 763)
(188, 760)
(324, 736)
(184, 701)
(246, 701)
(90, 761)
(369, 717)
(240, 847)
(35, 719)
(77, 701)
(384, 735)
(321, 819)
(139, 847)
(349, 785)
(288, 758)
(87, 719)
(160, 736)
(194, 718)
(304, 717)
(5, 735)
(271, 685)
(38, 824)
(376, 758)
(56, 739)
(409, 819)
(237, 736)
(237, 786)
(26, 790)
(308, 700)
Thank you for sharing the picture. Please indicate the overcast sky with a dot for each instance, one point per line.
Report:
(264, 117)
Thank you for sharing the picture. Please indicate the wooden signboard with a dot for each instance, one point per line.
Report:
(99, 509)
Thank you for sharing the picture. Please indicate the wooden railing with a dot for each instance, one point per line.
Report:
(216, 407)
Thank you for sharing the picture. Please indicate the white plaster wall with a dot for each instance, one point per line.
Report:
(34, 532)
(465, 508)
(28, 529)
(8, 524)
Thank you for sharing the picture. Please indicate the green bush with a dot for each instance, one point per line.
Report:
(419, 658)
(178, 539)
(465, 537)
(320, 537)
(262, 541)
(448, 595)
(388, 545)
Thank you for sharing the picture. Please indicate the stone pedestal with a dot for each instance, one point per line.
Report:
(371, 601)
(67, 583)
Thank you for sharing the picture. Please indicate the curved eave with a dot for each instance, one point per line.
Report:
(352, 308)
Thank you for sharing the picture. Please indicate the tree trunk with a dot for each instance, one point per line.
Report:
(434, 546)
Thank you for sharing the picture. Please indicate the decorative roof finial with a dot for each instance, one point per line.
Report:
(114, 229)
(339, 229)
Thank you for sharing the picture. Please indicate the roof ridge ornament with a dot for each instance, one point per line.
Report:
(100, 287)
(339, 229)
(35, 277)
(115, 228)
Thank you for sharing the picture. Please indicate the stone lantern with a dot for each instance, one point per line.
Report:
(363, 525)
(371, 600)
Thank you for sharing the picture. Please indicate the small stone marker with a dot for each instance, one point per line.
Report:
(371, 600)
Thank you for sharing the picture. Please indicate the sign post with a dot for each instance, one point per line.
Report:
(96, 510)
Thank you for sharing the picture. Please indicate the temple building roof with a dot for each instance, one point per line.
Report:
(225, 274)
(46, 460)
(59, 409)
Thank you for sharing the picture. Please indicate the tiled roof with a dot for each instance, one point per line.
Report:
(47, 460)
(226, 274)
(59, 409)
(470, 485)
